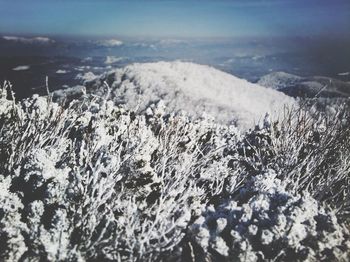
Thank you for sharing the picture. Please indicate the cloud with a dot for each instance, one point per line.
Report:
(87, 59)
(110, 43)
(172, 42)
(61, 71)
(145, 45)
(164, 43)
(21, 68)
(140, 45)
(26, 40)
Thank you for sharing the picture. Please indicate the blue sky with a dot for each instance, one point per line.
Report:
(162, 18)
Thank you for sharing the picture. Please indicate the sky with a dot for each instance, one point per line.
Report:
(165, 18)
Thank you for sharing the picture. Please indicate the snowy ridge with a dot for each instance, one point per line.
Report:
(311, 86)
(279, 80)
(195, 89)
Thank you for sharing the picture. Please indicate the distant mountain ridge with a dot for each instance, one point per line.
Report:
(312, 86)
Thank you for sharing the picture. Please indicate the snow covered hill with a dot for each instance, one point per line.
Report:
(297, 86)
(195, 89)
(279, 80)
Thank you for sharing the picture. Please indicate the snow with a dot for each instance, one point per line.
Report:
(279, 80)
(110, 43)
(86, 77)
(26, 40)
(21, 68)
(93, 181)
(113, 59)
(42, 39)
(257, 57)
(61, 71)
(308, 86)
(291, 222)
(82, 68)
(196, 89)
(313, 85)
(87, 59)
(60, 95)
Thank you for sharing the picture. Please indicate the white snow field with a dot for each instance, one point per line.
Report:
(197, 90)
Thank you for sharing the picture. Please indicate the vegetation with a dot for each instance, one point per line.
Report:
(91, 181)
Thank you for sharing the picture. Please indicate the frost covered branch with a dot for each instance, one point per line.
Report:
(92, 181)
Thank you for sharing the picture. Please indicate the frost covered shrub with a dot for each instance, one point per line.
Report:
(92, 181)
(265, 222)
(310, 150)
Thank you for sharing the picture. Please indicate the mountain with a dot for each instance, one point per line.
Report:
(193, 88)
(312, 86)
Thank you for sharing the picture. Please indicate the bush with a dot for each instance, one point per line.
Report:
(265, 222)
(310, 151)
(92, 181)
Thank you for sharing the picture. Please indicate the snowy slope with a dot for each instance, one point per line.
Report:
(279, 80)
(311, 86)
(196, 89)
